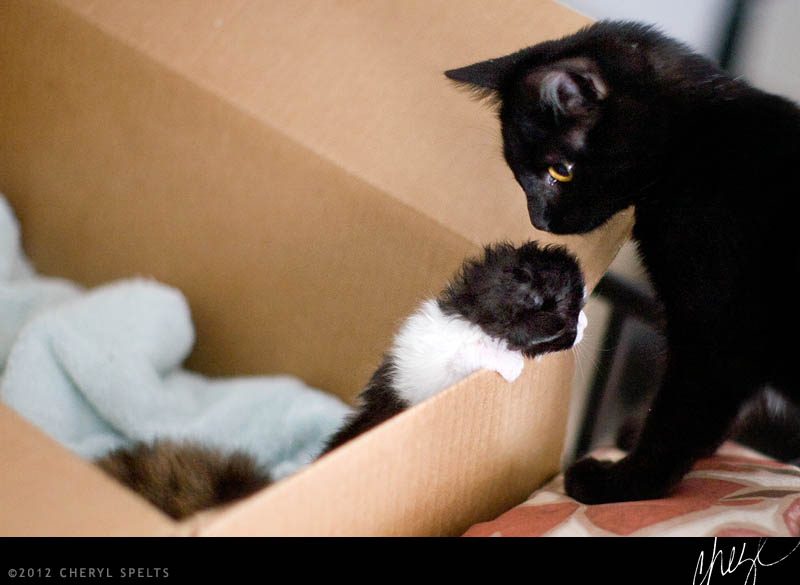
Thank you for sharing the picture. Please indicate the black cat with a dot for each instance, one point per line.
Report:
(513, 302)
(618, 115)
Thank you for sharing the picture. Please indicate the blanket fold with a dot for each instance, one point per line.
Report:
(101, 369)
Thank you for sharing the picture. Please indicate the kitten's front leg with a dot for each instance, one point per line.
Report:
(490, 354)
(392, 389)
(689, 419)
(378, 403)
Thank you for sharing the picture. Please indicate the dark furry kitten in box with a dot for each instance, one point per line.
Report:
(617, 115)
(184, 478)
(511, 303)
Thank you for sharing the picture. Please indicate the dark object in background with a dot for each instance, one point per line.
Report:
(734, 26)
(630, 365)
(630, 370)
(770, 424)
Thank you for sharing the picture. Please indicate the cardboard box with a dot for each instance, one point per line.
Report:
(306, 175)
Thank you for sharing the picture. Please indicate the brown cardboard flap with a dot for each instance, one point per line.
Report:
(362, 85)
(289, 263)
(47, 491)
(463, 456)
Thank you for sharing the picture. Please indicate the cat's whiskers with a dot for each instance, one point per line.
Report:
(585, 359)
(490, 138)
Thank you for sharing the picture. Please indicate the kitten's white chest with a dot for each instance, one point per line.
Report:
(434, 351)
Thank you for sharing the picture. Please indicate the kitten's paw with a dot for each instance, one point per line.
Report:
(591, 481)
(508, 364)
(490, 354)
(511, 367)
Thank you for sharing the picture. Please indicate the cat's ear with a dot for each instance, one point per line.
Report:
(485, 76)
(570, 87)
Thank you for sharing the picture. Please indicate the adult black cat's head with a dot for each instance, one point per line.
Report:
(582, 118)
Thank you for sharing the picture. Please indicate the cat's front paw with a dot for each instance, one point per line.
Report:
(489, 354)
(591, 481)
(586, 481)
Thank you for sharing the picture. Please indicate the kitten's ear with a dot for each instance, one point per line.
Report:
(486, 75)
(571, 88)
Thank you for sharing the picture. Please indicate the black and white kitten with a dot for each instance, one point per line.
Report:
(618, 115)
(511, 303)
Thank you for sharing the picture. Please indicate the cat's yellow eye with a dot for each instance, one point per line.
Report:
(560, 172)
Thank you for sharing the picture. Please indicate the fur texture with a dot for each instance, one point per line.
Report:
(182, 479)
(511, 303)
(433, 351)
(708, 161)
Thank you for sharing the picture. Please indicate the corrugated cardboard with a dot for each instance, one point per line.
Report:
(306, 175)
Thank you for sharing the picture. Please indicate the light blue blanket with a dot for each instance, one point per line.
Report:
(100, 369)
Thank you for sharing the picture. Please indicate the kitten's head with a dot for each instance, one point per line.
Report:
(581, 120)
(529, 296)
